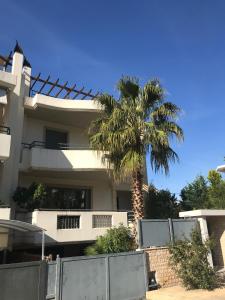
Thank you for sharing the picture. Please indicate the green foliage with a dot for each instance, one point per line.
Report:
(161, 204)
(117, 239)
(204, 193)
(136, 124)
(32, 197)
(216, 190)
(189, 260)
(195, 194)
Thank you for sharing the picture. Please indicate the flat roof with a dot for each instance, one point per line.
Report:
(202, 213)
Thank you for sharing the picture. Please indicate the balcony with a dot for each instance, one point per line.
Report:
(77, 113)
(64, 226)
(7, 80)
(5, 142)
(36, 156)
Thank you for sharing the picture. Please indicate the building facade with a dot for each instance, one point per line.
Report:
(44, 140)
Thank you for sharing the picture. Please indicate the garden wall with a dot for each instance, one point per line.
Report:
(158, 261)
(216, 227)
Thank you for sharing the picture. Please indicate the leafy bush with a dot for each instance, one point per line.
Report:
(117, 239)
(189, 260)
(32, 197)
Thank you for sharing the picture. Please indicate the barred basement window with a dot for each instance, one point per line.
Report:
(101, 221)
(68, 222)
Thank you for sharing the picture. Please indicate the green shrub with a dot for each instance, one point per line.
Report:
(117, 239)
(189, 260)
(32, 197)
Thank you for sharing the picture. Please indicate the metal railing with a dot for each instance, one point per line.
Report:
(4, 129)
(59, 146)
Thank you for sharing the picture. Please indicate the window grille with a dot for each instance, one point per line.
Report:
(68, 222)
(101, 221)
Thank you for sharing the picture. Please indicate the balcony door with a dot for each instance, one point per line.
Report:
(55, 139)
(69, 198)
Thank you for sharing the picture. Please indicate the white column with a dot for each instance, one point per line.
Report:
(27, 80)
(205, 235)
(14, 119)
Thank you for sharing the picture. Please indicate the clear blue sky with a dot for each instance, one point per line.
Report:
(182, 42)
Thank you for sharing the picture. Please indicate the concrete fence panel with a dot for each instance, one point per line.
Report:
(183, 228)
(159, 232)
(127, 276)
(23, 281)
(120, 276)
(154, 233)
(103, 277)
(82, 278)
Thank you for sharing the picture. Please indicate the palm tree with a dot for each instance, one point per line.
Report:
(137, 125)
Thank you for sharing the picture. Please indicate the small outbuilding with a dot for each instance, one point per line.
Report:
(212, 224)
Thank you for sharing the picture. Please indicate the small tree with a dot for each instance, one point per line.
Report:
(161, 204)
(195, 194)
(117, 239)
(216, 190)
(189, 258)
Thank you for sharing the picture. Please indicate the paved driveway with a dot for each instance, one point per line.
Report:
(178, 293)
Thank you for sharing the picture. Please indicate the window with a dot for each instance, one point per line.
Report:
(55, 139)
(68, 222)
(101, 221)
(69, 198)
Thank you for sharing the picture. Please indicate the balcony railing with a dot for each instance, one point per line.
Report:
(62, 157)
(4, 129)
(59, 146)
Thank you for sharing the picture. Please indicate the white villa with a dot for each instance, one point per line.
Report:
(44, 139)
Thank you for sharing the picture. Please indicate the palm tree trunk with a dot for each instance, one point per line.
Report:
(137, 200)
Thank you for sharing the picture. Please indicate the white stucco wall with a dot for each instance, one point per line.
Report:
(65, 160)
(14, 114)
(61, 104)
(34, 130)
(5, 143)
(86, 232)
(5, 215)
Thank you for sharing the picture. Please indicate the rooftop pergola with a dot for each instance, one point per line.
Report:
(46, 86)
(24, 227)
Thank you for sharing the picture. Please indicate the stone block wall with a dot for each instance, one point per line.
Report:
(158, 261)
(216, 228)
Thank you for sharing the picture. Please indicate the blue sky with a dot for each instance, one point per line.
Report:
(93, 43)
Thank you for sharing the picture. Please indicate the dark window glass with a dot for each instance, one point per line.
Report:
(66, 198)
(53, 139)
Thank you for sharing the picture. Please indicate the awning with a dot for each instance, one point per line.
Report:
(23, 227)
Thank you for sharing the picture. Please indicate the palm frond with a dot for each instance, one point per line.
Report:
(165, 111)
(161, 157)
(128, 87)
(151, 94)
(108, 102)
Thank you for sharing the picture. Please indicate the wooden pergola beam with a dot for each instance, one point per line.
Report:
(43, 85)
(70, 90)
(61, 87)
(54, 84)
